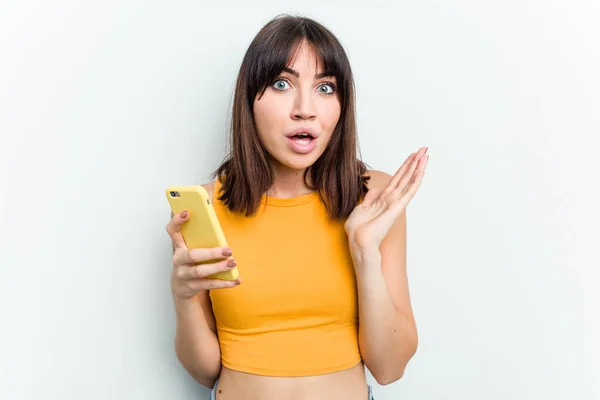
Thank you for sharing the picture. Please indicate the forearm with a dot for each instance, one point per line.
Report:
(387, 338)
(196, 345)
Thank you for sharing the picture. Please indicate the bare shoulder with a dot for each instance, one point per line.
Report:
(210, 188)
(378, 179)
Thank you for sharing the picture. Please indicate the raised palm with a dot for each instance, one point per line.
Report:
(371, 220)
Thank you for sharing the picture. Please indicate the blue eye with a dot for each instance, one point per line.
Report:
(280, 84)
(329, 88)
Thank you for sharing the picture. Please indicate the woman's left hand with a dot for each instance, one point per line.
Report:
(371, 220)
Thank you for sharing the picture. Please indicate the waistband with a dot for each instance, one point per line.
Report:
(213, 392)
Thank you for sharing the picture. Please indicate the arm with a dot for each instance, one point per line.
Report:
(376, 231)
(387, 333)
(196, 343)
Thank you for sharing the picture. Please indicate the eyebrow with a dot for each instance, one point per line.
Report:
(297, 74)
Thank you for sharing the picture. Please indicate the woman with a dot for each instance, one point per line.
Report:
(319, 241)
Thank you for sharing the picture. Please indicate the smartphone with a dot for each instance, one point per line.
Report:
(202, 229)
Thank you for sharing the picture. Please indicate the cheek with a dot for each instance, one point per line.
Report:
(261, 121)
(260, 115)
(267, 115)
(331, 116)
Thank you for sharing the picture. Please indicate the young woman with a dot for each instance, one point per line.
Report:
(319, 241)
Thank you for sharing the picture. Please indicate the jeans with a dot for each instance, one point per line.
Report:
(213, 393)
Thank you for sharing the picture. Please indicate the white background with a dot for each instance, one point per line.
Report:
(105, 103)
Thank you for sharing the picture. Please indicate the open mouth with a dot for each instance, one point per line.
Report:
(302, 141)
(302, 138)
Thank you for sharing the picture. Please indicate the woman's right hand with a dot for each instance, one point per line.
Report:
(188, 278)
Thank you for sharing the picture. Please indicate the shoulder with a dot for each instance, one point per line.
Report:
(210, 188)
(377, 179)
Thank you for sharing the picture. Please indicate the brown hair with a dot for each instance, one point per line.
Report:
(338, 174)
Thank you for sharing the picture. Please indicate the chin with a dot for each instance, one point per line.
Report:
(298, 162)
(298, 165)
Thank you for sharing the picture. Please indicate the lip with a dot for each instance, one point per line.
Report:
(303, 129)
(300, 148)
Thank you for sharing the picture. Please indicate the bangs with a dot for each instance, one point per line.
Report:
(338, 174)
(277, 45)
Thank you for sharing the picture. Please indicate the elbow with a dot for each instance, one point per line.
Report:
(394, 371)
(204, 369)
(209, 384)
(198, 373)
(387, 377)
(386, 374)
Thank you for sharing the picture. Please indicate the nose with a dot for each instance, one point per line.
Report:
(304, 107)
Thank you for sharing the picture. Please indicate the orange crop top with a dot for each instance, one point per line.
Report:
(296, 311)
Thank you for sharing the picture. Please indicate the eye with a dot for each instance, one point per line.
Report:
(280, 84)
(326, 88)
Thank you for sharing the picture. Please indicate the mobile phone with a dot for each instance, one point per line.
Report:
(202, 229)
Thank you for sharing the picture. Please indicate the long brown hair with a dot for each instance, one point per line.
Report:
(246, 174)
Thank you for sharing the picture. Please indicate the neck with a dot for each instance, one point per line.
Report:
(288, 182)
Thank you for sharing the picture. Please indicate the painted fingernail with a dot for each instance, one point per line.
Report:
(226, 252)
(231, 264)
(237, 281)
(184, 214)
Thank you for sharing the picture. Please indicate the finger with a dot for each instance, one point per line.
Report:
(204, 270)
(408, 175)
(415, 184)
(371, 196)
(209, 254)
(212, 284)
(402, 196)
(393, 183)
(422, 164)
(174, 228)
(417, 175)
(192, 256)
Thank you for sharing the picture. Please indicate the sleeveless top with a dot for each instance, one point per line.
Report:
(295, 312)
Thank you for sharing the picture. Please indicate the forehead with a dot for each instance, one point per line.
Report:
(304, 57)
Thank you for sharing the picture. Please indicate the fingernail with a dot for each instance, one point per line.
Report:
(231, 263)
(226, 252)
(237, 281)
(184, 214)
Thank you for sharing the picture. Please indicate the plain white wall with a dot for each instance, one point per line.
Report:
(104, 104)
